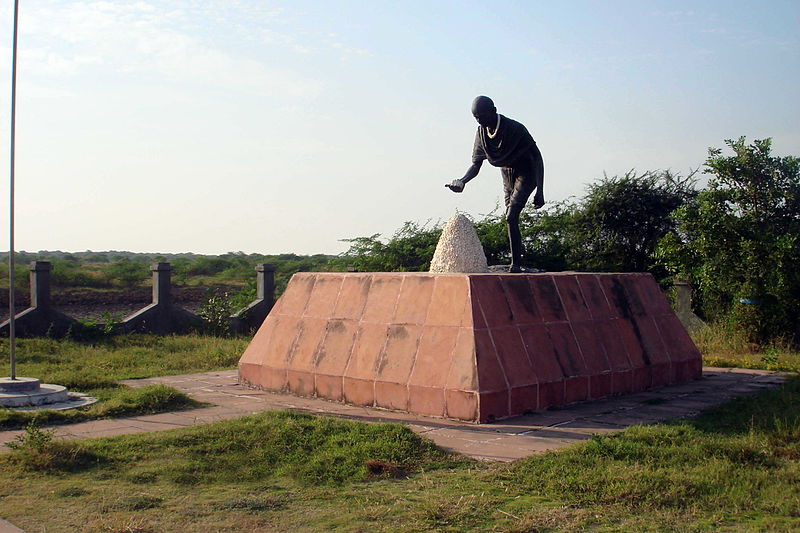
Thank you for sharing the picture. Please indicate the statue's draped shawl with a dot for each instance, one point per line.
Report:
(511, 142)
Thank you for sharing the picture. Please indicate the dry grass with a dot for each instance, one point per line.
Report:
(724, 347)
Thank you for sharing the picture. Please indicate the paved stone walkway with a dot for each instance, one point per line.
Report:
(506, 440)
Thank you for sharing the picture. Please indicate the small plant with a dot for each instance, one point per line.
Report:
(109, 322)
(92, 328)
(150, 399)
(144, 477)
(36, 451)
(769, 359)
(216, 313)
(33, 439)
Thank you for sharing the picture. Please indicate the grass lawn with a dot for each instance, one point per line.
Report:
(96, 367)
(733, 468)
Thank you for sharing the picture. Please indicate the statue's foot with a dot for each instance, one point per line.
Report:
(514, 269)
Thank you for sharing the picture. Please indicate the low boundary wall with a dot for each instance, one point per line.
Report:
(162, 316)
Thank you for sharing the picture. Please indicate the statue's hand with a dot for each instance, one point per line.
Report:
(538, 200)
(455, 185)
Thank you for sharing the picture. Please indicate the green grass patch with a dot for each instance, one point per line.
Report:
(95, 368)
(740, 459)
(311, 450)
(733, 468)
(90, 365)
(113, 402)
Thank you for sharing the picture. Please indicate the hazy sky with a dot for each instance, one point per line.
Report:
(215, 126)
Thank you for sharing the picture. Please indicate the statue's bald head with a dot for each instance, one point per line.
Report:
(483, 104)
(484, 111)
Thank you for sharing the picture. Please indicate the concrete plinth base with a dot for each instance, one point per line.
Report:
(19, 384)
(472, 347)
(30, 393)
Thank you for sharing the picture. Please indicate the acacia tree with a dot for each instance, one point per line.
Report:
(617, 225)
(738, 242)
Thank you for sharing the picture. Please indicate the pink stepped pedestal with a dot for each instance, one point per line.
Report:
(472, 347)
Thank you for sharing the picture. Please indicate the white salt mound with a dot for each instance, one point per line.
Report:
(459, 249)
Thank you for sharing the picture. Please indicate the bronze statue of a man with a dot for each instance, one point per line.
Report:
(505, 143)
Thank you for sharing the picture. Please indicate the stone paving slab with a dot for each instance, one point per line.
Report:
(506, 440)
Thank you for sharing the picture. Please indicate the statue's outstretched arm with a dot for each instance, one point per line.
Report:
(472, 171)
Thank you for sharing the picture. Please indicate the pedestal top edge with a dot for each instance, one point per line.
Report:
(468, 274)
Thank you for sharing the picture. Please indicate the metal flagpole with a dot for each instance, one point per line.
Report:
(11, 303)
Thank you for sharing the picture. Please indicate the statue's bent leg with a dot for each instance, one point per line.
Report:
(514, 235)
(524, 185)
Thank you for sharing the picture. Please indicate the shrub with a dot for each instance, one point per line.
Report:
(36, 451)
(216, 313)
(738, 242)
(127, 273)
(69, 274)
(410, 249)
(617, 225)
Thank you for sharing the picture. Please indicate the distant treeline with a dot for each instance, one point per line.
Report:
(116, 255)
(120, 269)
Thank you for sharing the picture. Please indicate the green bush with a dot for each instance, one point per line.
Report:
(126, 273)
(616, 227)
(410, 249)
(66, 273)
(738, 242)
(206, 266)
(21, 275)
(216, 313)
